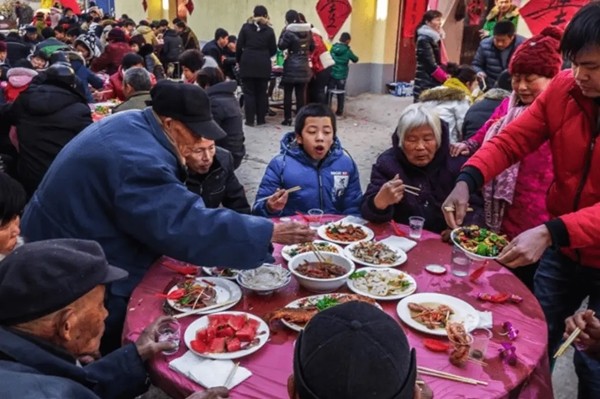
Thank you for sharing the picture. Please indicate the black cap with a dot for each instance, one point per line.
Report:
(188, 104)
(365, 347)
(42, 277)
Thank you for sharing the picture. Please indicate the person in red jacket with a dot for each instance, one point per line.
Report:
(113, 54)
(567, 114)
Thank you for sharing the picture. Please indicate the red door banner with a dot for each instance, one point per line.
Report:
(333, 14)
(475, 11)
(413, 14)
(541, 13)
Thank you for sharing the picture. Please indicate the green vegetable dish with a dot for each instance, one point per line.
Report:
(481, 241)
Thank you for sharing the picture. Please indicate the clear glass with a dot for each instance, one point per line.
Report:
(169, 330)
(314, 218)
(481, 340)
(460, 262)
(415, 224)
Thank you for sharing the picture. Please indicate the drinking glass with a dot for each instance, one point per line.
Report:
(481, 339)
(415, 224)
(461, 263)
(169, 330)
(314, 218)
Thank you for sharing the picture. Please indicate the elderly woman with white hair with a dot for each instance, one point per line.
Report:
(419, 157)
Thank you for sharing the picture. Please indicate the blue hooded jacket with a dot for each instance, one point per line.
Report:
(332, 185)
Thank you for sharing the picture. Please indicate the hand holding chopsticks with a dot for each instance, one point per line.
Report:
(585, 328)
(392, 193)
(288, 191)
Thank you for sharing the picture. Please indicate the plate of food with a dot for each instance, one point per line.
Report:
(345, 233)
(223, 272)
(381, 284)
(375, 254)
(264, 279)
(295, 315)
(202, 292)
(431, 312)
(479, 243)
(226, 335)
(289, 251)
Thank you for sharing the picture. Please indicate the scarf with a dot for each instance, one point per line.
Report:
(499, 193)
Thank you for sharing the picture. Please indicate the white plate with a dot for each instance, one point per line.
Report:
(226, 291)
(287, 248)
(402, 257)
(262, 333)
(214, 272)
(323, 235)
(407, 292)
(311, 300)
(463, 312)
(471, 255)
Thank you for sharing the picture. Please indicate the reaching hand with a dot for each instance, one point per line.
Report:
(146, 344)
(456, 204)
(211, 393)
(390, 193)
(277, 202)
(292, 233)
(589, 337)
(457, 149)
(526, 248)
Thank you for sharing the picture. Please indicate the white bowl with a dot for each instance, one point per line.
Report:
(264, 287)
(321, 284)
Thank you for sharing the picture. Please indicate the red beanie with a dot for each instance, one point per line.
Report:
(540, 54)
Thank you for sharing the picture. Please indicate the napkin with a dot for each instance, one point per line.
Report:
(485, 320)
(353, 219)
(400, 242)
(208, 372)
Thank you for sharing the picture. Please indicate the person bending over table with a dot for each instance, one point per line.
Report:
(212, 176)
(568, 245)
(420, 158)
(368, 351)
(311, 157)
(121, 183)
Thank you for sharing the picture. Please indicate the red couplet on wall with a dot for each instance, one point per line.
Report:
(333, 14)
(541, 13)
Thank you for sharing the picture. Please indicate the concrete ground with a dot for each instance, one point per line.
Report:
(365, 131)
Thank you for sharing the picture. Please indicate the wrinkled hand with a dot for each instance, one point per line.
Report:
(292, 233)
(277, 202)
(212, 393)
(146, 344)
(456, 203)
(457, 149)
(390, 193)
(526, 248)
(589, 337)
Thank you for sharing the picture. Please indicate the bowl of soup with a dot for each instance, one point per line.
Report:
(321, 275)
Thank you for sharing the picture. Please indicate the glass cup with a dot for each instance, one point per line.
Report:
(169, 330)
(415, 224)
(314, 218)
(481, 340)
(460, 262)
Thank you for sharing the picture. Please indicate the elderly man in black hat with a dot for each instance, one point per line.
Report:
(121, 182)
(368, 351)
(52, 315)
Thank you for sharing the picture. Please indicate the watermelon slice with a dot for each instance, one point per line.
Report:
(253, 324)
(237, 322)
(246, 334)
(225, 332)
(217, 345)
(233, 345)
(199, 346)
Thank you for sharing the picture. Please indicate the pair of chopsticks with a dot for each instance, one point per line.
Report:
(412, 190)
(201, 310)
(561, 350)
(231, 375)
(317, 253)
(449, 376)
(289, 191)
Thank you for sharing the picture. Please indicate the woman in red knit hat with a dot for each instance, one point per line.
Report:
(515, 199)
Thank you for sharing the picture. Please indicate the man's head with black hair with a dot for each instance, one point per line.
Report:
(503, 35)
(221, 37)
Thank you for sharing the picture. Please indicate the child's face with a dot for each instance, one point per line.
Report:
(316, 137)
(3, 55)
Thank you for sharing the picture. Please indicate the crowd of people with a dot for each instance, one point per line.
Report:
(510, 137)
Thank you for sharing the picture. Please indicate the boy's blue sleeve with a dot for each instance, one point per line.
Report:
(353, 196)
(270, 182)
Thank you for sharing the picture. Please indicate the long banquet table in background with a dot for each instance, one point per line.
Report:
(272, 364)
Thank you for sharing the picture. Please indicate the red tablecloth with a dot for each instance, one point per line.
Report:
(272, 365)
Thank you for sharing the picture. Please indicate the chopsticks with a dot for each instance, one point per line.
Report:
(561, 350)
(317, 253)
(196, 311)
(449, 376)
(289, 191)
(452, 209)
(412, 190)
(231, 374)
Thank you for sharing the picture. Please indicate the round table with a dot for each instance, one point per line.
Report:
(272, 364)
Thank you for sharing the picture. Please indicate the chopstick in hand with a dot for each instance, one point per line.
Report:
(412, 187)
(561, 350)
(289, 191)
(407, 190)
(231, 375)
(452, 209)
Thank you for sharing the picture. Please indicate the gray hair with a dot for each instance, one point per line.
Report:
(416, 115)
(138, 78)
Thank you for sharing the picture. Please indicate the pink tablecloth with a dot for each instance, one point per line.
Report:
(272, 365)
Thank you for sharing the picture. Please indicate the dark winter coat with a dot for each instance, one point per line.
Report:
(87, 77)
(47, 116)
(435, 180)
(111, 57)
(226, 112)
(488, 58)
(172, 47)
(229, 63)
(297, 40)
(189, 39)
(428, 60)
(16, 50)
(342, 55)
(31, 368)
(255, 46)
(136, 101)
(213, 50)
(220, 186)
(481, 111)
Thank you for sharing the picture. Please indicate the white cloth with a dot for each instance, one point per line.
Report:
(353, 219)
(400, 242)
(485, 320)
(208, 372)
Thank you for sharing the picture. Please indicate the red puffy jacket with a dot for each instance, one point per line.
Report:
(563, 115)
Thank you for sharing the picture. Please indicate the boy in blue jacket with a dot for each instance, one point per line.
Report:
(311, 157)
